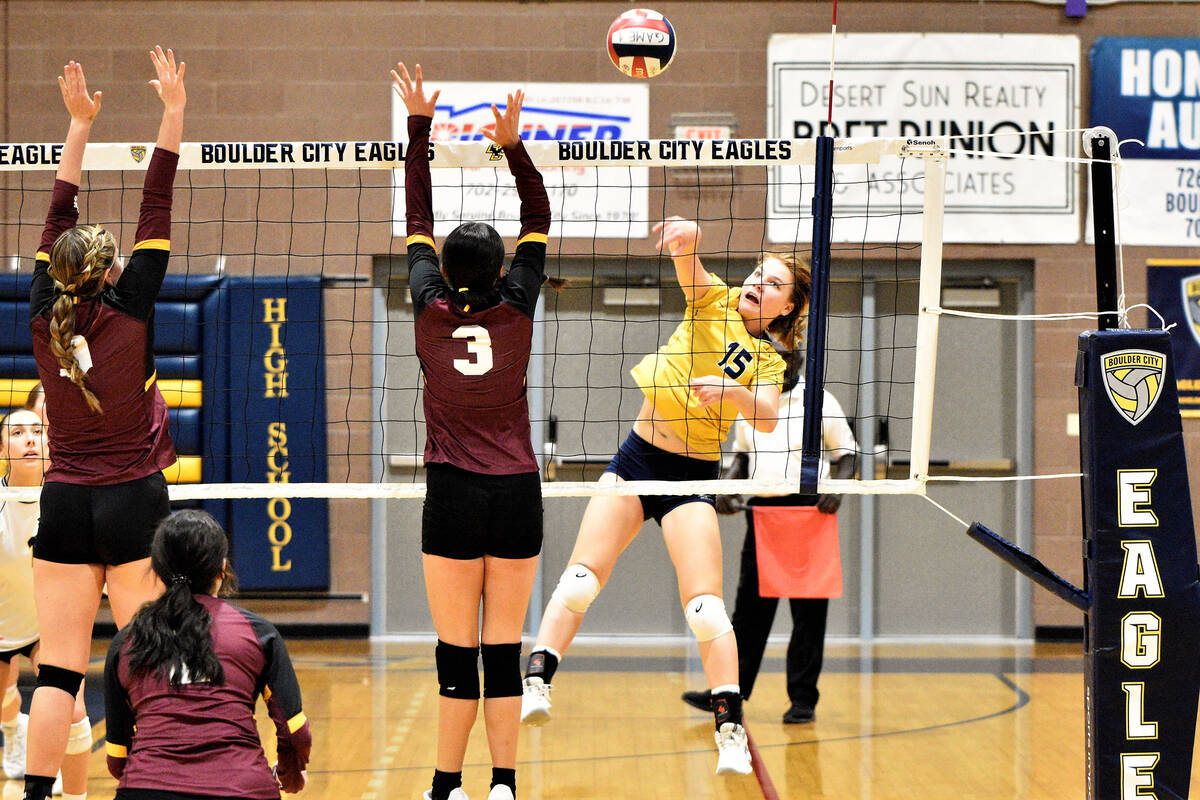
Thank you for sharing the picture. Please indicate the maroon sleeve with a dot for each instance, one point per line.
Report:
(418, 188)
(535, 205)
(154, 221)
(63, 215)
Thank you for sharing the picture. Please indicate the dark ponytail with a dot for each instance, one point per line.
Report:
(170, 636)
(472, 256)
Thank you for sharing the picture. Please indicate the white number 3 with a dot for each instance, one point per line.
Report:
(479, 344)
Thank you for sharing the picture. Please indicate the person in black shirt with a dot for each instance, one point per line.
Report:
(482, 522)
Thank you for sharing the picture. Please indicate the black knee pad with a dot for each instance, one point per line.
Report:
(501, 670)
(458, 671)
(59, 678)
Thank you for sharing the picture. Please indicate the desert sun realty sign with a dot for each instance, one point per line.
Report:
(992, 95)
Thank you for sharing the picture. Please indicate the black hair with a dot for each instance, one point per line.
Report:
(169, 637)
(793, 361)
(472, 256)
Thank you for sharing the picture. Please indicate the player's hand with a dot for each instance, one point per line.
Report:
(678, 236)
(506, 131)
(707, 389)
(729, 503)
(81, 106)
(412, 92)
(829, 503)
(169, 83)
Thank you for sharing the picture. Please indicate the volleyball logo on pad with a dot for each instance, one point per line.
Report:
(1134, 381)
(1190, 292)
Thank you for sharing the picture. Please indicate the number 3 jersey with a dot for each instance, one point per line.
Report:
(474, 360)
(711, 340)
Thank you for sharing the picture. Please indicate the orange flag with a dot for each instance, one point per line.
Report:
(798, 553)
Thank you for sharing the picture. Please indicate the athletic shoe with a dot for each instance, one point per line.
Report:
(535, 701)
(700, 700)
(798, 714)
(455, 794)
(501, 792)
(14, 750)
(733, 753)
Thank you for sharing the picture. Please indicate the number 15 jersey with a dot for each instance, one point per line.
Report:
(474, 360)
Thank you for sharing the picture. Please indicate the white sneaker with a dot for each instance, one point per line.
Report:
(733, 753)
(501, 792)
(535, 701)
(455, 794)
(14, 750)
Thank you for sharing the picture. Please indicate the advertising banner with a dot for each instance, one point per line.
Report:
(609, 202)
(1148, 92)
(993, 95)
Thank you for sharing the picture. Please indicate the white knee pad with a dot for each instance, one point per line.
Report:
(79, 740)
(11, 695)
(706, 617)
(577, 588)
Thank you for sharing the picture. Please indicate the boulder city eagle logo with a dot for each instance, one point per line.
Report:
(1133, 379)
(1189, 292)
(138, 152)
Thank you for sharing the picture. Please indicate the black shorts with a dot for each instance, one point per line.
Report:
(7, 655)
(109, 525)
(468, 515)
(638, 460)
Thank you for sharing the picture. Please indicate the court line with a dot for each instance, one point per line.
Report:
(760, 768)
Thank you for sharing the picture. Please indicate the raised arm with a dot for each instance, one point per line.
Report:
(169, 85)
(680, 237)
(83, 109)
(535, 205)
(418, 187)
(154, 221)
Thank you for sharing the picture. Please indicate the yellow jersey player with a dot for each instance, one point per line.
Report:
(718, 363)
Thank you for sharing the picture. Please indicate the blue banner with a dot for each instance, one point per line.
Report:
(1143, 625)
(276, 429)
(1173, 290)
(1149, 89)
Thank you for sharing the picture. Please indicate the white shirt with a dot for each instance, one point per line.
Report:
(776, 456)
(18, 612)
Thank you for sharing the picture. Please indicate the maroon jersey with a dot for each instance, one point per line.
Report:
(199, 738)
(474, 360)
(131, 439)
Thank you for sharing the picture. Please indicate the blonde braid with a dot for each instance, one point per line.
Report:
(79, 260)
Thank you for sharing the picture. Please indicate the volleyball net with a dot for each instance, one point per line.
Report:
(284, 337)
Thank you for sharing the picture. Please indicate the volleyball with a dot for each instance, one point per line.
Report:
(641, 43)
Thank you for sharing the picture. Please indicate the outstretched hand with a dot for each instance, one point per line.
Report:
(678, 236)
(412, 92)
(506, 131)
(169, 83)
(80, 105)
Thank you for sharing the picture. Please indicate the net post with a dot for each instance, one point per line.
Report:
(930, 298)
(818, 307)
(1104, 225)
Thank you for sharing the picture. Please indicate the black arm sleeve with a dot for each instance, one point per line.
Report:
(425, 280)
(118, 713)
(281, 692)
(528, 268)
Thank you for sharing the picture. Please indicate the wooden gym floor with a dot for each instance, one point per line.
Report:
(894, 722)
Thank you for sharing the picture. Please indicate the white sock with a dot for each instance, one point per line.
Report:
(547, 649)
(731, 688)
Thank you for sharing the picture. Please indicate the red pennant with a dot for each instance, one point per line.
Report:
(798, 554)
